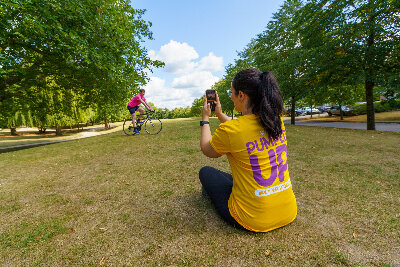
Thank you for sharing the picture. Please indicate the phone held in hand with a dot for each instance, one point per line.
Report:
(211, 98)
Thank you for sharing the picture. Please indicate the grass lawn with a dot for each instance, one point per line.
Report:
(118, 200)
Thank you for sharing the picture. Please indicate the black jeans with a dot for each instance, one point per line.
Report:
(218, 185)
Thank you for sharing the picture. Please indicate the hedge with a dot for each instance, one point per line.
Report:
(387, 105)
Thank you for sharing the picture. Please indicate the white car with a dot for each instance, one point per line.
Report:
(311, 110)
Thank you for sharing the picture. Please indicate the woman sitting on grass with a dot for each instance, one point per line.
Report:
(258, 196)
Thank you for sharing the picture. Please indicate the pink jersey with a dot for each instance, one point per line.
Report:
(135, 101)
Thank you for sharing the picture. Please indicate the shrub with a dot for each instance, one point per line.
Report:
(383, 106)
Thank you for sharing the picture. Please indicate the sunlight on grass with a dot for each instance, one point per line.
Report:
(114, 199)
(27, 234)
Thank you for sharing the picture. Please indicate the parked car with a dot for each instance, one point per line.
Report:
(297, 111)
(347, 111)
(300, 112)
(323, 109)
(309, 110)
(334, 110)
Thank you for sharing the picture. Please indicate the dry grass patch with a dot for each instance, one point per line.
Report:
(121, 200)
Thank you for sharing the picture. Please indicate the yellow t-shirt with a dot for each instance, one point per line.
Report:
(262, 198)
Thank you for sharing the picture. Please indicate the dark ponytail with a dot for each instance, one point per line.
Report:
(265, 98)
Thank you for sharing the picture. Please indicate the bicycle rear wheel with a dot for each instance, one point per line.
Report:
(153, 126)
(128, 127)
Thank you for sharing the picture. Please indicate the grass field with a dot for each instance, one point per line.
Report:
(117, 200)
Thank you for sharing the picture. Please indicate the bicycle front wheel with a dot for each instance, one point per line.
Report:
(128, 127)
(153, 126)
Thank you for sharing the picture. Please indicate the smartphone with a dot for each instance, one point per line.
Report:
(211, 98)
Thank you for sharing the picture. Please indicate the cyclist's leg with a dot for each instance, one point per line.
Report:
(141, 110)
(134, 119)
(132, 110)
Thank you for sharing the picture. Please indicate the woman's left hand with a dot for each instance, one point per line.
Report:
(218, 107)
(206, 110)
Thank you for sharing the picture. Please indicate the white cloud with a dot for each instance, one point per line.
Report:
(155, 87)
(176, 56)
(211, 63)
(190, 78)
(199, 79)
(163, 96)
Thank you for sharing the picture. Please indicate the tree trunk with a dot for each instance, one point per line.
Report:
(293, 112)
(341, 112)
(13, 130)
(369, 74)
(58, 130)
(369, 92)
(106, 124)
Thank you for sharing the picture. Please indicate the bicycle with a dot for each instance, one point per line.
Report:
(151, 123)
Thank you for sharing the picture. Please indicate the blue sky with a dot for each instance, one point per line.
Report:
(196, 40)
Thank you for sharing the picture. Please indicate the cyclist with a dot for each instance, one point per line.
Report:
(133, 105)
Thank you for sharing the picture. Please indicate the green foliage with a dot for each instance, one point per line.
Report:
(164, 113)
(345, 94)
(353, 43)
(328, 52)
(382, 106)
(81, 53)
(197, 104)
(180, 113)
(278, 49)
(222, 87)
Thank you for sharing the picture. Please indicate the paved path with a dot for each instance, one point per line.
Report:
(380, 126)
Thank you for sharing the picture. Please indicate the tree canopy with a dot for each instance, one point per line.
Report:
(87, 52)
(324, 51)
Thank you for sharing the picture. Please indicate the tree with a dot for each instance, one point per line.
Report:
(279, 49)
(222, 86)
(90, 47)
(345, 95)
(357, 40)
(197, 104)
